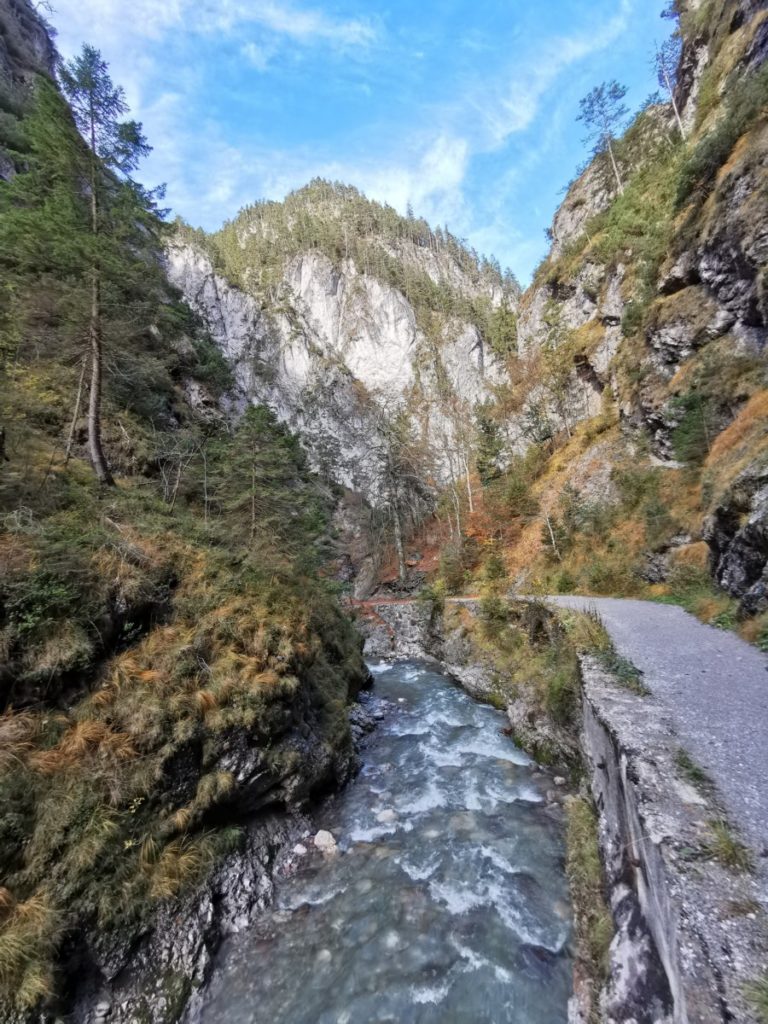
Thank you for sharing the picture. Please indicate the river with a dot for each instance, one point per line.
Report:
(447, 901)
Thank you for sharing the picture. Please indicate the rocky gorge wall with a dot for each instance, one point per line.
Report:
(644, 332)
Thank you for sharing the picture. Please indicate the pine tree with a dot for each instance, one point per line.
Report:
(114, 149)
(603, 111)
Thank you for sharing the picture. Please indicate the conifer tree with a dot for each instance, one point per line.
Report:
(603, 112)
(666, 60)
(114, 148)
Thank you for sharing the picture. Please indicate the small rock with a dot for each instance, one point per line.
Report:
(401, 700)
(324, 956)
(559, 780)
(325, 842)
(386, 817)
(103, 1010)
(300, 850)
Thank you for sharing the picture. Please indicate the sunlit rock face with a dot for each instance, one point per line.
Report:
(338, 352)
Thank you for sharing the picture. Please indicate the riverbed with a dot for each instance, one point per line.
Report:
(446, 902)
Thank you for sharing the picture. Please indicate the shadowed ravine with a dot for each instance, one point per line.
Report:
(451, 909)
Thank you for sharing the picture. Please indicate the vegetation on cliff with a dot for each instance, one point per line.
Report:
(640, 383)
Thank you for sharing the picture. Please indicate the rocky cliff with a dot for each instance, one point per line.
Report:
(642, 339)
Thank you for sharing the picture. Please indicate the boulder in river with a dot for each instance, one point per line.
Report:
(325, 842)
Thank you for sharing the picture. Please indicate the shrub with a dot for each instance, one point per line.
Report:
(452, 568)
(696, 426)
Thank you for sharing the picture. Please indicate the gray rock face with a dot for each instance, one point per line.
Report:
(339, 350)
(737, 533)
(26, 50)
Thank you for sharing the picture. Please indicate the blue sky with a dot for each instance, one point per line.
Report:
(465, 109)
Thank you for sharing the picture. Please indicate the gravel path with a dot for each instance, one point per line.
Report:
(716, 689)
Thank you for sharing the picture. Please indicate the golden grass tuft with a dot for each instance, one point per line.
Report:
(696, 555)
(28, 936)
(749, 429)
(85, 739)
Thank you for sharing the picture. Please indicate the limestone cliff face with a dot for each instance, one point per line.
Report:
(338, 352)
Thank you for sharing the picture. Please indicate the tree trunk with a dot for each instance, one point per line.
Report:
(94, 403)
(679, 120)
(615, 166)
(97, 370)
(253, 501)
(469, 488)
(398, 528)
(552, 537)
(75, 412)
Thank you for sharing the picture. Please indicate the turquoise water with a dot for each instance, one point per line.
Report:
(451, 910)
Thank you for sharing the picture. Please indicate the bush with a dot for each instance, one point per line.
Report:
(696, 426)
(452, 568)
(494, 568)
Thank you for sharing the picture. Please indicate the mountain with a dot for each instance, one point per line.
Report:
(372, 336)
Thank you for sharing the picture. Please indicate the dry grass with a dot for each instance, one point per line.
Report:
(728, 849)
(29, 933)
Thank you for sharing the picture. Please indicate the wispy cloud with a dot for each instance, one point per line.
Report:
(463, 152)
(304, 25)
(149, 19)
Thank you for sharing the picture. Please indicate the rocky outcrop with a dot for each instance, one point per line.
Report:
(737, 533)
(26, 50)
(338, 352)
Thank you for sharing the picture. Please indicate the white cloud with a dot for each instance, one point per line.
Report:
(113, 20)
(516, 104)
(258, 55)
(303, 25)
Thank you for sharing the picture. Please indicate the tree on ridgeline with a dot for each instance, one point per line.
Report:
(603, 112)
(666, 62)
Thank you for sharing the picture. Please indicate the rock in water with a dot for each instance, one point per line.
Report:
(325, 842)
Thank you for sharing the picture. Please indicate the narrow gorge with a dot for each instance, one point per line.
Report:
(380, 639)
